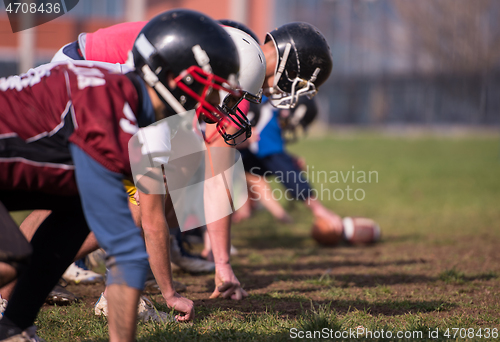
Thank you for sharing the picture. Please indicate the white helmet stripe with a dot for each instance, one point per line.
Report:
(152, 80)
(145, 48)
(202, 58)
(282, 65)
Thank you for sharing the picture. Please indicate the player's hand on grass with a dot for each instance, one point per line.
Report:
(183, 305)
(333, 220)
(226, 283)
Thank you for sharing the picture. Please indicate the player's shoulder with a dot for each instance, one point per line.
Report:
(77, 68)
(89, 75)
(100, 87)
(89, 68)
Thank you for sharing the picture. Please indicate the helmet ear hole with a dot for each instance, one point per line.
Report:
(171, 80)
(292, 74)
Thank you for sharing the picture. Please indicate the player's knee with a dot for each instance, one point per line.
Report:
(131, 273)
(11, 270)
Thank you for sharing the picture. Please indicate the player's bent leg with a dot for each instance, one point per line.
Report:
(77, 272)
(122, 317)
(127, 265)
(28, 228)
(125, 283)
(263, 191)
(291, 176)
(299, 188)
(55, 244)
(14, 249)
(136, 214)
(31, 223)
(89, 245)
(7, 273)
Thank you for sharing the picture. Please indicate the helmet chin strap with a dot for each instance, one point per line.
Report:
(282, 65)
(153, 81)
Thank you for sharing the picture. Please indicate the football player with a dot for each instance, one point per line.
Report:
(298, 62)
(67, 129)
(275, 127)
(303, 63)
(251, 77)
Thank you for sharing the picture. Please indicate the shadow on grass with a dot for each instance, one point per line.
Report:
(454, 276)
(297, 265)
(260, 281)
(219, 334)
(402, 238)
(272, 238)
(195, 334)
(286, 305)
(272, 241)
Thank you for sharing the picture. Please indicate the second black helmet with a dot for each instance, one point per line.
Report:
(304, 62)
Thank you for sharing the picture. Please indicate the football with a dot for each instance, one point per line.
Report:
(324, 234)
(360, 230)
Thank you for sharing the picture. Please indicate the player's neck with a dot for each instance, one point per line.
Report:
(158, 105)
(271, 59)
(269, 51)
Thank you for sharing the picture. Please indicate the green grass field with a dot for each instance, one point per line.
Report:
(436, 268)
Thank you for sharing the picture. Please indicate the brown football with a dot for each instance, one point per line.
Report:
(323, 234)
(360, 230)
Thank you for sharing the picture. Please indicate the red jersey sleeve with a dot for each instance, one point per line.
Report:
(105, 106)
(51, 105)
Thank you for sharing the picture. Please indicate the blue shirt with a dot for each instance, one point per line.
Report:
(271, 140)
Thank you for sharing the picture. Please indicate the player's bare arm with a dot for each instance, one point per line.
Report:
(157, 237)
(227, 284)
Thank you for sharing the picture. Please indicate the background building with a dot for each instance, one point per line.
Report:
(395, 61)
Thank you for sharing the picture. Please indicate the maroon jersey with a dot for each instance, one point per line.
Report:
(44, 110)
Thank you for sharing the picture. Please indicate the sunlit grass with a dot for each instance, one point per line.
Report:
(433, 196)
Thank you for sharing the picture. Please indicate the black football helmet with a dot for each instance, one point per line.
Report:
(302, 115)
(200, 56)
(304, 63)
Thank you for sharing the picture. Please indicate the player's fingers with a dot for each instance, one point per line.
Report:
(229, 292)
(186, 310)
(237, 295)
(215, 294)
(225, 286)
(183, 318)
(180, 318)
(187, 317)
